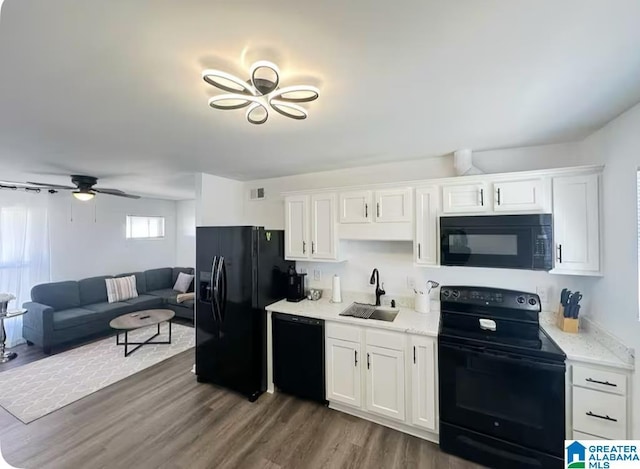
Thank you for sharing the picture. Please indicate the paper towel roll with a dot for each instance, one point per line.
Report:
(336, 295)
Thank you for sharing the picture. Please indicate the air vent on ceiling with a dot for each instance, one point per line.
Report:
(256, 194)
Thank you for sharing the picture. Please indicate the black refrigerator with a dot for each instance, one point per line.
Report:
(240, 270)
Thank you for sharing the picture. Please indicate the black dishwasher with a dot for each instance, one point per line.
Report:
(298, 356)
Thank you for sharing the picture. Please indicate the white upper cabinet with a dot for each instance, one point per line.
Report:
(356, 207)
(393, 205)
(323, 226)
(464, 198)
(343, 372)
(296, 216)
(423, 382)
(426, 242)
(576, 227)
(524, 195)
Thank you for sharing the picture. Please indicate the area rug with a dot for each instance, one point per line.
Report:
(44, 386)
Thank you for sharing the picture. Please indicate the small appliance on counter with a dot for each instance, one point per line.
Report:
(295, 285)
(314, 294)
(569, 310)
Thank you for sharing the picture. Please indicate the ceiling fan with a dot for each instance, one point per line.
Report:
(83, 189)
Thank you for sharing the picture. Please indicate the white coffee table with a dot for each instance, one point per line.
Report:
(4, 355)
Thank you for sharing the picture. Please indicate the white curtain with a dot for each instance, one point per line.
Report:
(24, 251)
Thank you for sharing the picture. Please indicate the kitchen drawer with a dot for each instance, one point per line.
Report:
(585, 436)
(599, 413)
(342, 332)
(384, 339)
(602, 380)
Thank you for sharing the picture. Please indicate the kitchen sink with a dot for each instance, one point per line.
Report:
(387, 315)
(366, 311)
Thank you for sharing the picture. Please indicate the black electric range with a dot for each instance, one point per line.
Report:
(501, 379)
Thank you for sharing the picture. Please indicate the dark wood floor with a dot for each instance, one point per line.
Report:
(162, 418)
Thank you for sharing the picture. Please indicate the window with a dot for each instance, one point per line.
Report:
(145, 227)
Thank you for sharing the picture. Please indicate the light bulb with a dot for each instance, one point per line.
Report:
(83, 195)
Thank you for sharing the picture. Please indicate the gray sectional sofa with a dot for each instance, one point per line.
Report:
(64, 312)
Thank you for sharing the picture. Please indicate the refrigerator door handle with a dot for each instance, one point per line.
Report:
(223, 301)
(215, 274)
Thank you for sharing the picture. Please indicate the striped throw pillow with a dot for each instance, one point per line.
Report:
(120, 289)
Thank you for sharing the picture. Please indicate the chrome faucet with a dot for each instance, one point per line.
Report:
(375, 279)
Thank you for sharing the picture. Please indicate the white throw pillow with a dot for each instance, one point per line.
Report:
(122, 288)
(183, 282)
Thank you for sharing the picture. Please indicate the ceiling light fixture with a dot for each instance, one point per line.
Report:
(260, 93)
(84, 194)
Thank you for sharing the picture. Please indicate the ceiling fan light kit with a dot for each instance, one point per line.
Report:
(260, 93)
(84, 195)
(82, 189)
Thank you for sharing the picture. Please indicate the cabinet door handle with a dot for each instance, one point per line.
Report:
(304, 247)
(605, 417)
(605, 383)
(368, 361)
(498, 196)
(414, 354)
(356, 358)
(378, 209)
(419, 252)
(313, 247)
(366, 210)
(559, 257)
(482, 197)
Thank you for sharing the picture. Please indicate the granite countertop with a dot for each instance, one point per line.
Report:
(408, 320)
(584, 346)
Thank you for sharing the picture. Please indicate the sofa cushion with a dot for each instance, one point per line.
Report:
(157, 279)
(121, 288)
(141, 282)
(168, 294)
(111, 310)
(58, 295)
(93, 290)
(146, 302)
(73, 317)
(185, 270)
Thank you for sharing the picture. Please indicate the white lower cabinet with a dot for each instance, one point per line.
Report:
(387, 383)
(423, 382)
(343, 372)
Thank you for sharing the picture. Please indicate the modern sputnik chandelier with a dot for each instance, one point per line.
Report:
(260, 93)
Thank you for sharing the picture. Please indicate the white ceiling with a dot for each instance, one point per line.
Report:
(113, 89)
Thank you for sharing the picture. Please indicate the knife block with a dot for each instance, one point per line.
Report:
(566, 324)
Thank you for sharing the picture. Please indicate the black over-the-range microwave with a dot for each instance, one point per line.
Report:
(504, 241)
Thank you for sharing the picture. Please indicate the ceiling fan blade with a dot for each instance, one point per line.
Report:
(51, 186)
(116, 192)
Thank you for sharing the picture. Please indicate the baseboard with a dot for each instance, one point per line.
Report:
(401, 427)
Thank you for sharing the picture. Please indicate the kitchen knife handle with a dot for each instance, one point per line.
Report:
(559, 257)
(482, 197)
(498, 196)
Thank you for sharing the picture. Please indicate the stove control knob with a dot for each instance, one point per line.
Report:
(455, 293)
(446, 293)
(520, 300)
(532, 301)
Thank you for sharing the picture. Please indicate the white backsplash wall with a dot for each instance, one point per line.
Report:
(394, 261)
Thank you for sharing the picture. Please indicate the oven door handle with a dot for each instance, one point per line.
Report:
(506, 358)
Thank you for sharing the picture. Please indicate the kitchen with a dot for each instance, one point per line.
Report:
(398, 232)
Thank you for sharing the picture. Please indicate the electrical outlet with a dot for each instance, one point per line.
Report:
(542, 292)
(411, 283)
(317, 275)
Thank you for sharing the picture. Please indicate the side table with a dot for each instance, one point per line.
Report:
(4, 355)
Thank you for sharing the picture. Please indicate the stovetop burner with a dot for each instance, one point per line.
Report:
(495, 319)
